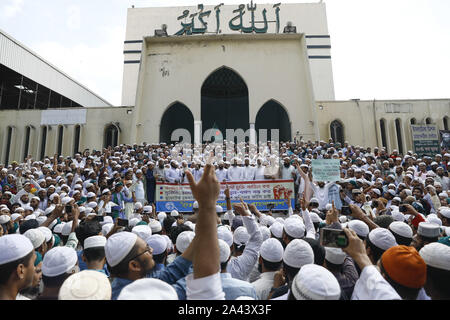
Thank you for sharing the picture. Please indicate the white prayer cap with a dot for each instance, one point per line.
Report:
(241, 236)
(359, 227)
(265, 232)
(445, 212)
(53, 195)
(225, 234)
(148, 289)
(59, 260)
(148, 209)
(314, 200)
(434, 219)
(27, 207)
(14, 216)
(58, 228)
(271, 250)
(133, 222)
(398, 216)
(343, 219)
(41, 219)
(46, 232)
(430, 230)
(315, 217)
(67, 228)
(269, 220)
(90, 195)
(157, 243)
(219, 209)
(195, 205)
(224, 250)
(106, 228)
(66, 200)
(161, 216)
(49, 210)
(142, 231)
(36, 198)
(174, 213)
(86, 285)
(30, 217)
(294, 228)
(314, 282)
(92, 204)
(277, 229)
(95, 242)
(328, 207)
(106, 220)
(118, 246)
(298, 253)
(155, 226)
(335, 255)
(401, 228)
(14, 247)
(169, 242)
(4, 219)
(436, 255)
(280, 220)
(382, 238)
(184, 239)
(138, 206)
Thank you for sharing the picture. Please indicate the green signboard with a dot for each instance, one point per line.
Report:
(425, 139)
(326, 170)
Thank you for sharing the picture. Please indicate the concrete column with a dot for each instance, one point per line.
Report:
(198, 132)
(252, 133)
(68, 140)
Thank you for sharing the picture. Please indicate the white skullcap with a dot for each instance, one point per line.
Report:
(14, 216)
(314, 200)
(161, 216)
(86, 285)
(30, 217)
(382, 238)
(314, 282)
(155, 226)
(315, 217)
(142, 231)
(133, 222)
(277, 229)
(36, 198)
(92, 204)
(195, 205)
(225, 234)
(4, 219)
(271, 250)
(36, 237)
(58, 228)
(174, 213)
(328, 207)
(265, 232)
(119, 246)
(41, 220)
(169, 242)
(184, 239)
(49, 210)
(335, 255)
(241, 236)
(298, 253)
(66, 200)
(343, 219)
(402, 229)
(398, 216)
(106, 228)
(148, 289)
(14, 247)
(90, 195)
(434, 219)
(359, 227)
(147, 209)
(157, 243)
(280, 220)
(138, 206)
(106, 220)
(95, 242)
(67, 228)
(294, 228)
(445, 212)
(430, 230)
(59, 260)
(224, 250)
(436, 255)
(219, 209)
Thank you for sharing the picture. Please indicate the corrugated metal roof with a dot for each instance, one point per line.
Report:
(21, 59)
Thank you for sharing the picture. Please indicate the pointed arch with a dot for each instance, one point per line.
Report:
(337, 131)
(176, 116)
(111, 135)
(273, 115)
(383, 133)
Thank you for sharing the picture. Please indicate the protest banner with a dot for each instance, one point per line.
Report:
(425, 139)
(326, 170)
(173, 196)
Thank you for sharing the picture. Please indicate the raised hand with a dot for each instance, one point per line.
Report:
(206, 191)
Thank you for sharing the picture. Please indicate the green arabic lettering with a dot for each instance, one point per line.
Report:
(241, 13)
(186, 27)
(277, 13)
(263, 29)
(201, 14)
(217, 9)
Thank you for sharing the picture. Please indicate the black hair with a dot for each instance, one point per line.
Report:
(401, 240)
(334, 267)
(167, 224)
(383, 221)
(87, 229)
(439, 279)
(55, 282)
(27, 225)
(376, 252)
(120, 270)
(290, 272)
(405, 292)
(64, 239)
(159, 258)
(428, 239)
(271, 266)
(94, 254)
(175, 231)
(319, 251)
(8, 268)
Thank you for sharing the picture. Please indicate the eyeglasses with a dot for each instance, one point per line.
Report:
(148, 249)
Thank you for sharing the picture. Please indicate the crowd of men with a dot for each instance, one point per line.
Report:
(86, 227)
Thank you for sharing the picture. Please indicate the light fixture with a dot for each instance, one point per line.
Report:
(320, 107)
(129, 111)
(20, 87)
(161, 32)
(290, 28)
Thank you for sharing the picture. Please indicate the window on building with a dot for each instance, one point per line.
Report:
(398, 130)
(8, 144)
(43, 142)
(445, 123)
(429, 121)
(413, 121)
(76, 143)
(337, 131)
(383, 133)
(27, 141)
(111, 136)
(60, 139)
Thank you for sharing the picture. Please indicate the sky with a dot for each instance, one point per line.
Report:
(381, 49)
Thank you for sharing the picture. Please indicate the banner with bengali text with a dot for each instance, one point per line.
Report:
(426, 139)
(173, 196)
(326, 170)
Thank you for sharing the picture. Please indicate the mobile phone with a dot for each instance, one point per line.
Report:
(402, 208)
(345, 210)
(122, 222)
(68, 208)
(99, 218)
(333, 238)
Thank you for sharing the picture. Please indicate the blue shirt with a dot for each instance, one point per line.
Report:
(178, 269)
(83, 265)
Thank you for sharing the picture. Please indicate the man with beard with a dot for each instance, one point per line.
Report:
(158, 172)
(17, 270)
(287, 172)
(221, 172)
(172, 175)
(151, 182)
(37, 286)
(235, 173)
(259, 170)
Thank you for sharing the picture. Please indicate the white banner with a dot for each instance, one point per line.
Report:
(57, 117)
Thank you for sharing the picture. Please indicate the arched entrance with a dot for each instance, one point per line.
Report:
(272, 115)
(224, 102)
(177, 116)
(337, 131)
(111, 136)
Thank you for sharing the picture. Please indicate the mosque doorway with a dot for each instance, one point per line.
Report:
(176, 117)
(272, 115)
